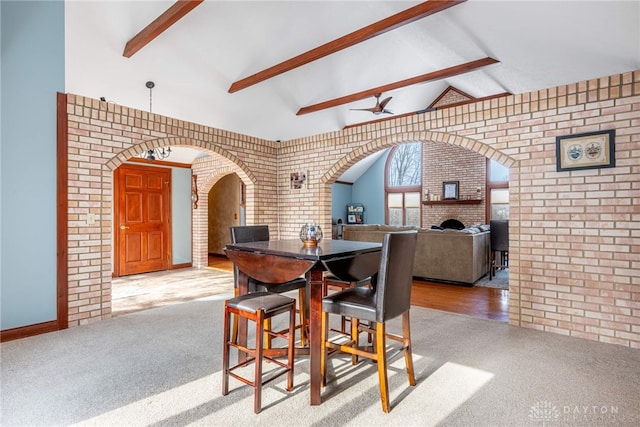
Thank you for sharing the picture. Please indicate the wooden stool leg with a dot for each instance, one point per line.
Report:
(406, 343)
(324, 335)
(234, 328)
(225, 353)
(381, 359)
(292, 343)
(302, 303)
(355, 337)
(267, 337)
(257, 381)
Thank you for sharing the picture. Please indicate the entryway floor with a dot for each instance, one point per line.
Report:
(160, 288)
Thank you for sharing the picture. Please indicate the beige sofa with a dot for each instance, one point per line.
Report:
(459, 256)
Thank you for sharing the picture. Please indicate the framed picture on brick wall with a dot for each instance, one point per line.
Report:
(450, 190)
(590, 150)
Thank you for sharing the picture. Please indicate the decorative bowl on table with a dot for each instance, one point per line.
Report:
(310, 234)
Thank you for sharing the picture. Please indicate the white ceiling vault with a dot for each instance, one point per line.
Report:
(194, 62)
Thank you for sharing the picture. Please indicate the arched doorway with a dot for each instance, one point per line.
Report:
(481, 151)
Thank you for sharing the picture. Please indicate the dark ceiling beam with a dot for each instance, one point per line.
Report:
(407, 16)
(159, 25)
(435, 75)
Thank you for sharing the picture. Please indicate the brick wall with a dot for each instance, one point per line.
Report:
(444, 162)
(451, 96)
(101, 137)
(575, 236)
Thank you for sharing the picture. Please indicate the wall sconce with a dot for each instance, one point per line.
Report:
(297, 179)
(194, 191)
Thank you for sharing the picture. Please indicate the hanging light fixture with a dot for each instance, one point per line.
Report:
(154, 153)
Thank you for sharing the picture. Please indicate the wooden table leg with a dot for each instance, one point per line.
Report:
(315, 340)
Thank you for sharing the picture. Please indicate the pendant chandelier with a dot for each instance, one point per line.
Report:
(154, 153)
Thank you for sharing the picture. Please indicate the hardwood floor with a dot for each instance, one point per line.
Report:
(486, 303)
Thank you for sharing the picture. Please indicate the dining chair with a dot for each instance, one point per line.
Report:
(388, 298)
(258, 307)
(258, 233)
(499, 250)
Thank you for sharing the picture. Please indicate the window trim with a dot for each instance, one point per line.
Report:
(490, 185)
(402, 189)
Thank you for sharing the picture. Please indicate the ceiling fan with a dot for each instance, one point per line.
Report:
(379, 107)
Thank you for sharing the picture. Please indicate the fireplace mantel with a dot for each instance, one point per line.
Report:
(452, 202)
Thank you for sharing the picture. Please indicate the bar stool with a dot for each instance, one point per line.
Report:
(256, 233)
(389, 298)
(258, 307)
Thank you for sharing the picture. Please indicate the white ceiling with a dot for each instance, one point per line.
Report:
(539, 44)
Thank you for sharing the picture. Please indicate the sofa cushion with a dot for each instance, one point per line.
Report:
(452, 231)
(362, 227)
(393, 228)
(431, 230)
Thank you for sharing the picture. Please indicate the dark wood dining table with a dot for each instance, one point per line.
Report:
(279, 261)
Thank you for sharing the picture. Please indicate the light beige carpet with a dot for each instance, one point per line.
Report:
(161, 367)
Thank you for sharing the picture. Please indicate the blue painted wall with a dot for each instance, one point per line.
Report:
(369, 190)
(181, 215)
(340, 196)
(32, 71)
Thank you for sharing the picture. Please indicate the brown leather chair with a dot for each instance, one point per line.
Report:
(258, 307)
(258, 233)
(388, 298)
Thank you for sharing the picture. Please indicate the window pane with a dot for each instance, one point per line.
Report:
(500, 203)
(413, 216)
(405, 167)
(394, 200)
(395, 216)
(412, 200)
(497, 172)
(500, 195)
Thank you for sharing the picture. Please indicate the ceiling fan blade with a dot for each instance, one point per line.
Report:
(378, 108)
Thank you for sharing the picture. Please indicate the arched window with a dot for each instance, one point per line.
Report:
(403, 184)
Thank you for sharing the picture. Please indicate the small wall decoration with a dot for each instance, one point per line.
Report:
(194, 191)
(450, 190)
(297, 179)
(585, 151)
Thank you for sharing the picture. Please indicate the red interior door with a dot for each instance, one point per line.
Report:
(142, 225)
